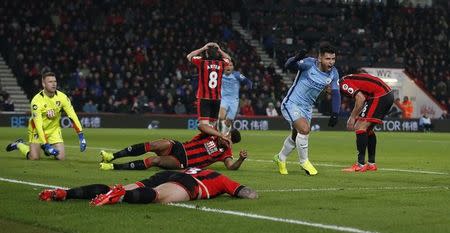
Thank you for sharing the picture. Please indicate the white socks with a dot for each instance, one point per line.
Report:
(288, 147)
(224, 129)
(301, 142)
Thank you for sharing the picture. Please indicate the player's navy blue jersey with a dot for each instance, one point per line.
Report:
(310, 82)
(231, 84)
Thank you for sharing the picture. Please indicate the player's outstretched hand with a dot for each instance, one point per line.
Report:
(50, 150)
(83, 143)
(243, 154)
(333, 119)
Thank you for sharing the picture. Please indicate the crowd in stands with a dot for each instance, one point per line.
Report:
(130, 56)
(126, 57)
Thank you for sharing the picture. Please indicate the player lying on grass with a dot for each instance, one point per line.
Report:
(163, 187)
(201, 151)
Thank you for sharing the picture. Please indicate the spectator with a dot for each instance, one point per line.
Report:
(270, 110)
(444, 115)
(8, 103)
(90, 107)
(179, 108)
(247, 109)
(425, 123)
(407, 108)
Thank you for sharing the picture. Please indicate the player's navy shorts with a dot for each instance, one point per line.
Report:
(375, 109)
(208, 109)
(182, 179)
(179, 153)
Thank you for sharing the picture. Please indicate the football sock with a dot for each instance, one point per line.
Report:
(87, 192)
(288, 147)
(23, 148)
(134, 165)
(134, 150)
(142, 195)
(302, 147)
(361, 144)
(371, 146)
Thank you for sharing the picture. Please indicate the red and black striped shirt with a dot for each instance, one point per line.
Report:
(212, 183)
(203, 150)
(369, 85)
(209, 77)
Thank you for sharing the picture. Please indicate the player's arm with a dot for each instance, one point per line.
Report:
(198, 51)
(235, 165)
(224, 54)
(360, 99)
(36, 108)
(244, 80)
(246, 192)
(235, 189)
(68, 108)
(335, 100)
(295, 61)
(207, 129)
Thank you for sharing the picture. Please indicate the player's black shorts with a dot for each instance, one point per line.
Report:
(208, 109)
(183, 179)
(179, 153)
(375, 109)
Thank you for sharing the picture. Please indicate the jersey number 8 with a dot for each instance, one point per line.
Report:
(212, 79)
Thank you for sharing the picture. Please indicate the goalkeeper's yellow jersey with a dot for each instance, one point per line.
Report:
(46, 113)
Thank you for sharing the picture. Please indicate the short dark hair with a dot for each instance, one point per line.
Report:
(326, 48)
(47, 74)
(235, 136)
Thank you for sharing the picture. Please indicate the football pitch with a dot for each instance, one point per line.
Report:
(409, 193)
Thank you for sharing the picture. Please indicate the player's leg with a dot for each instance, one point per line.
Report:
(362, 139)
(171, 192)
(222, 117)
(302, 126)
(35, 151)
(82, 192)
(371, 149)
(231, 115)
(61, 149)
(208, 113)
(381, 107)
(159, 147)
(166, 162)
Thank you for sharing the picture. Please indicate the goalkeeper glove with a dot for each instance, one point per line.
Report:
(49, 150)
(83, 143)
(333, 119)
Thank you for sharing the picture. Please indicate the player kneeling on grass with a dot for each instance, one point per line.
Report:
(163, 187)
(201, 151)
(44, 130)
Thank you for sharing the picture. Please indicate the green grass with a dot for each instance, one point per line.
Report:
(399, 199)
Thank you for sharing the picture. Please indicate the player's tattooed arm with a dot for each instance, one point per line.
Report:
(247, 192)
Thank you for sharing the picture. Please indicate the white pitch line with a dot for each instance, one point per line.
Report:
(342, 166)
(317, 164)
(229, 212)
(274, 219)
(353, 189)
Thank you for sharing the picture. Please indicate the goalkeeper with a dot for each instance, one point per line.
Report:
(44, 130)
